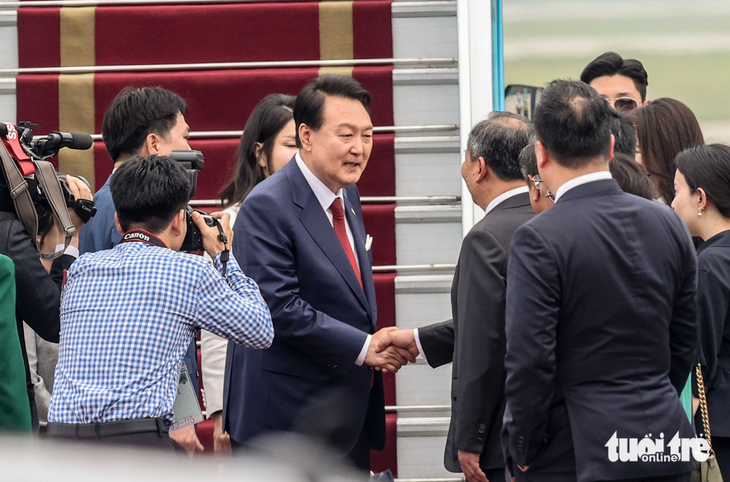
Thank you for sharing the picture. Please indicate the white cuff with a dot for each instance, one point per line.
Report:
(363, 353)
(418, 344)
(71, 250)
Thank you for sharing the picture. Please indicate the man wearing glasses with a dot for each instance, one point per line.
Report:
(541, 198)
(622, 82)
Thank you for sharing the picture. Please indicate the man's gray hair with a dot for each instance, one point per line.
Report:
(499, 139)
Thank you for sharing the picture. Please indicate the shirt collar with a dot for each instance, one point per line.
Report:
(324, 195)
(504, 196)
(584, 179)
(720, 239)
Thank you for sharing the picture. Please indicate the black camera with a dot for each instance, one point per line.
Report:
(48, 146)
(84, 209)
(193, 162)
(194, 238)
(30, 184)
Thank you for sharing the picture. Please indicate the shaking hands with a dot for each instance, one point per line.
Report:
(391, 348)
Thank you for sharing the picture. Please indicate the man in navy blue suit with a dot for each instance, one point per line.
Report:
(301, 237)
(600, 324)
(138, 122)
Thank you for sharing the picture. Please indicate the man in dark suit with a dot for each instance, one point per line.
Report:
(138, 122)
(301, 237)
(600, 313)
(474, 338)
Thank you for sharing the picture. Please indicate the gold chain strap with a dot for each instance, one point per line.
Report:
(703, 408)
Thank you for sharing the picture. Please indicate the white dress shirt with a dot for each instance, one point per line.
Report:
(584, 179)
(504, 196)
(495, 202)
(326, 197)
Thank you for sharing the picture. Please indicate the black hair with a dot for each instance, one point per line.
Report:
(148, 192)
(265, 122)
(631, 176)
(136, 113)
(499, 139)
(309, 106)
(573, 122)
(528, 162)
(610, 64)
(624, 132)
(665, 128)
(708, 167)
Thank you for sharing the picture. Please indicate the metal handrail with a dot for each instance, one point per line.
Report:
(396, 129)
(88, 69)
(411, 199)
(367, 200)
(414, 267)
(404, 408)
(104, 3)
(417, 408)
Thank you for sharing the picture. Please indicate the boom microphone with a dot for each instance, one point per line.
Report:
(72, 140)
(56, 140)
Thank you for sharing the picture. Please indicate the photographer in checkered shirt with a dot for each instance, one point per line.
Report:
(129, 313)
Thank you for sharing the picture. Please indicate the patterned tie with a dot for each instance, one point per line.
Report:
(338, 220)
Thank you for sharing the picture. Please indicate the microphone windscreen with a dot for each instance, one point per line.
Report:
(81, 141)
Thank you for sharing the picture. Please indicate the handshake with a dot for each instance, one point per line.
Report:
(391, 348)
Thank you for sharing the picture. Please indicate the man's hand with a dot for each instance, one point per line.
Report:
(470, 466)
(80, 191)
(221, 439)
(403, 339)
(211, 243)
(390, 359)
(187, 439)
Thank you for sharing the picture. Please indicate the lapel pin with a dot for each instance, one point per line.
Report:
(353, 211)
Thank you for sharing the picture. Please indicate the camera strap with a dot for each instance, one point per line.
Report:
(47, 180)
(226, 253)
(19, 192)
(142, 236)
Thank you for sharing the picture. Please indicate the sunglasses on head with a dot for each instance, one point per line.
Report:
(623, 104)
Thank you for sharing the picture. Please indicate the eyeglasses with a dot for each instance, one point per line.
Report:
(537, 181)
(622, 104)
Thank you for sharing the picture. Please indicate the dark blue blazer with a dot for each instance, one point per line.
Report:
(101, 233)
(307, 381)
(601, 334)
(101, 230)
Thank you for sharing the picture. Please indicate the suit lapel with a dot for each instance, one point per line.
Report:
(315, 221)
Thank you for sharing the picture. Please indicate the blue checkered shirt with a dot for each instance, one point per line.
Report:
(128, 315)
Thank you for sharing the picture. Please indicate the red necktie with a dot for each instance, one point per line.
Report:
(338, 220)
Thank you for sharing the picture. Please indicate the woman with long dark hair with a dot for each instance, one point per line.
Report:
(702, 183)
(267, 144)
(664, 128)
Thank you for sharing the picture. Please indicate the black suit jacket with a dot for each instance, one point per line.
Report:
(713, 303)
(474, 338)
(601, 334)
(38, 294)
